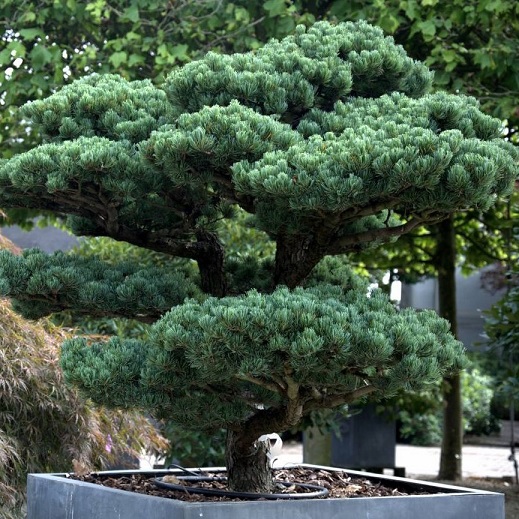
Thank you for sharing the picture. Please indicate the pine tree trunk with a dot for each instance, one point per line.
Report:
(248, 467)
(452, 441)
(211, 265)
(296, 256)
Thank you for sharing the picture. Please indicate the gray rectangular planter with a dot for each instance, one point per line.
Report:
(366, 441)
(56, 497)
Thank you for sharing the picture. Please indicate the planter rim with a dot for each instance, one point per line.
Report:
(58, 497)
(439, 489)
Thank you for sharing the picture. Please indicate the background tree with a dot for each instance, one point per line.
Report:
(329, 140)
(469, 240)
(502, 320)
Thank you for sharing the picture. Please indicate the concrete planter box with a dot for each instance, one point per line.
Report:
(56, 497)
(366, 440)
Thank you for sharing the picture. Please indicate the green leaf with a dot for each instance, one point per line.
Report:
(133, 36)
(410, 9)
(285, 25)
(58, 75)
(162, 49)
(495, 5)
(389, 23)
(450, 56)
(18, 47)
(117, 58)
(40, 56)
(428, 29)
(132, 13)
(31, 34)
(135, 59)
(484, 59)
(241, 14)
(5, 57)
(275, 7)
(29, 16)
(450, 66)
(179, 51)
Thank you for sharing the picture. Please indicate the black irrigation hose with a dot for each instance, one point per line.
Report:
(317, 490)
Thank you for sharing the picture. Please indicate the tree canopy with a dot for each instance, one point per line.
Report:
(470, 45)
(48, 43)
(330, 141)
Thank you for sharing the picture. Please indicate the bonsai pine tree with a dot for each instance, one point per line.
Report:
(329, 140)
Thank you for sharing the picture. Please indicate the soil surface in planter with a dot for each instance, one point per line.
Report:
(338, 484)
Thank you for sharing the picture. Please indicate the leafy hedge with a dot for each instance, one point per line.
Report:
(420, 415)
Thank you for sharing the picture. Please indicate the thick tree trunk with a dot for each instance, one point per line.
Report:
(452, 442)
(248, 466)
(211, 265)
(296, 256)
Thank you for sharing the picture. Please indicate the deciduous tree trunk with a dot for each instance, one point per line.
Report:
(450, 461)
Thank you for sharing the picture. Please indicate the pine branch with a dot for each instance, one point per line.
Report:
(275, 388)
(330, 402)
(273, 419)
(353, 242)
(58, 282)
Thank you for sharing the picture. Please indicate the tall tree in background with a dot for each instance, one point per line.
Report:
(502, 319)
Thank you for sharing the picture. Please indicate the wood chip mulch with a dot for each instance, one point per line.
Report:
(338, 483)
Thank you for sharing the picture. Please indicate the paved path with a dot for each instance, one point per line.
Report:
(477, 461)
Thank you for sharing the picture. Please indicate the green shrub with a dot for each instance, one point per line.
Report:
(420, 429)
(420, 414)
(194, 448)
(478, 391)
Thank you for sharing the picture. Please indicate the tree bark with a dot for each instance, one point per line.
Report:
(248, 465)
(211, 265)
(296, 256)
(452, 441)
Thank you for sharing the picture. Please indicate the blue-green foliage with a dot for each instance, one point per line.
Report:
(127, 158)
(330, 143)
(103, 106)
(41, 284)
(313, 68)
(326, 341)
